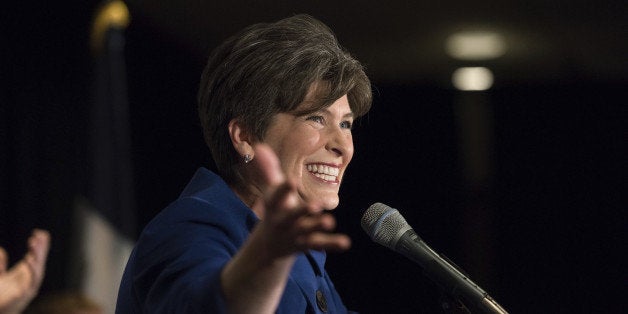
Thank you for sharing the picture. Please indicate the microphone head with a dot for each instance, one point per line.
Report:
(384, 224)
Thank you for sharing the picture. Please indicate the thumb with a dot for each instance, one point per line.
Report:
(268, 164)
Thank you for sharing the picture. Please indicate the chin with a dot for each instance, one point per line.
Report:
(330, 203)
(328, 199)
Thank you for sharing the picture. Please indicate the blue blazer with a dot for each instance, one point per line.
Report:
(176, 263)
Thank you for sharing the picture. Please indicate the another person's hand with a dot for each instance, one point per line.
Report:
(20, 284)
(290, 224)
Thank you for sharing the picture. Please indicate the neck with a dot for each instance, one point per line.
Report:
(249, 196)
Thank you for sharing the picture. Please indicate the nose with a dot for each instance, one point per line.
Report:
(340, 142)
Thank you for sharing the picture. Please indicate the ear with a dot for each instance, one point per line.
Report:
(241, 138)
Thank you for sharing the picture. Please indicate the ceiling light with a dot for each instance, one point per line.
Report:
(475, 45)
(472, 78)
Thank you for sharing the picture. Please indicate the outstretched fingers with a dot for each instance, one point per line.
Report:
(314, 233)
(334, 242)
(309, 227)
(20, 283)
(292, 224)
(4, 261)
(35, 258)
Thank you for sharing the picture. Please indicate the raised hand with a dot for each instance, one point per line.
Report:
(20, 284)
(289, 223)
(254, 280)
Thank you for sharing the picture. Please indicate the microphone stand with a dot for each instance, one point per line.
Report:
(452, 305)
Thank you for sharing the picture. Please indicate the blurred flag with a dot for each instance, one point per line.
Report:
(106, 215)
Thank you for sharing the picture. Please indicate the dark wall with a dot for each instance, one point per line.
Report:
(554, 203)
(555, 229)
(44, 100)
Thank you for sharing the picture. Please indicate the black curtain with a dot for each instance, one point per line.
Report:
(45, 97)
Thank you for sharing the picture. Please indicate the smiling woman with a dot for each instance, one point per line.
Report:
(276, 102)
(314, 150)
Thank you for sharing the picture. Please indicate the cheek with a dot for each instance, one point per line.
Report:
(305, 141)
(311, 143)
(296, 148)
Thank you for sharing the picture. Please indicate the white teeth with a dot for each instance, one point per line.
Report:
(324, 172)
(325, 177)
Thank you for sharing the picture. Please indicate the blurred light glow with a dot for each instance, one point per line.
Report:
(472, 78)
(111, 14)
(475, 45)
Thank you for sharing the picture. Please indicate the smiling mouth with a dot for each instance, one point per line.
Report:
(324, 172)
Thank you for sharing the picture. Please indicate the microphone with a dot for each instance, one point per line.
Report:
(386, 226)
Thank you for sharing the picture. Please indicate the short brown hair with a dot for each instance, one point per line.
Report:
(268, 68)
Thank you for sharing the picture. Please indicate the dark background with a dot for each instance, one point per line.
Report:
(542, 232)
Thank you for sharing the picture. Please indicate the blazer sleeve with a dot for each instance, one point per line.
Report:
(178, 269)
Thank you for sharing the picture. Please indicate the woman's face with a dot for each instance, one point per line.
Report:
(314, 150)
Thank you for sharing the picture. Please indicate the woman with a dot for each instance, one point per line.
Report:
(276, 103)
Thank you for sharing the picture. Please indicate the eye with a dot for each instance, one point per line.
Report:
(346, 125)
(317, 119)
